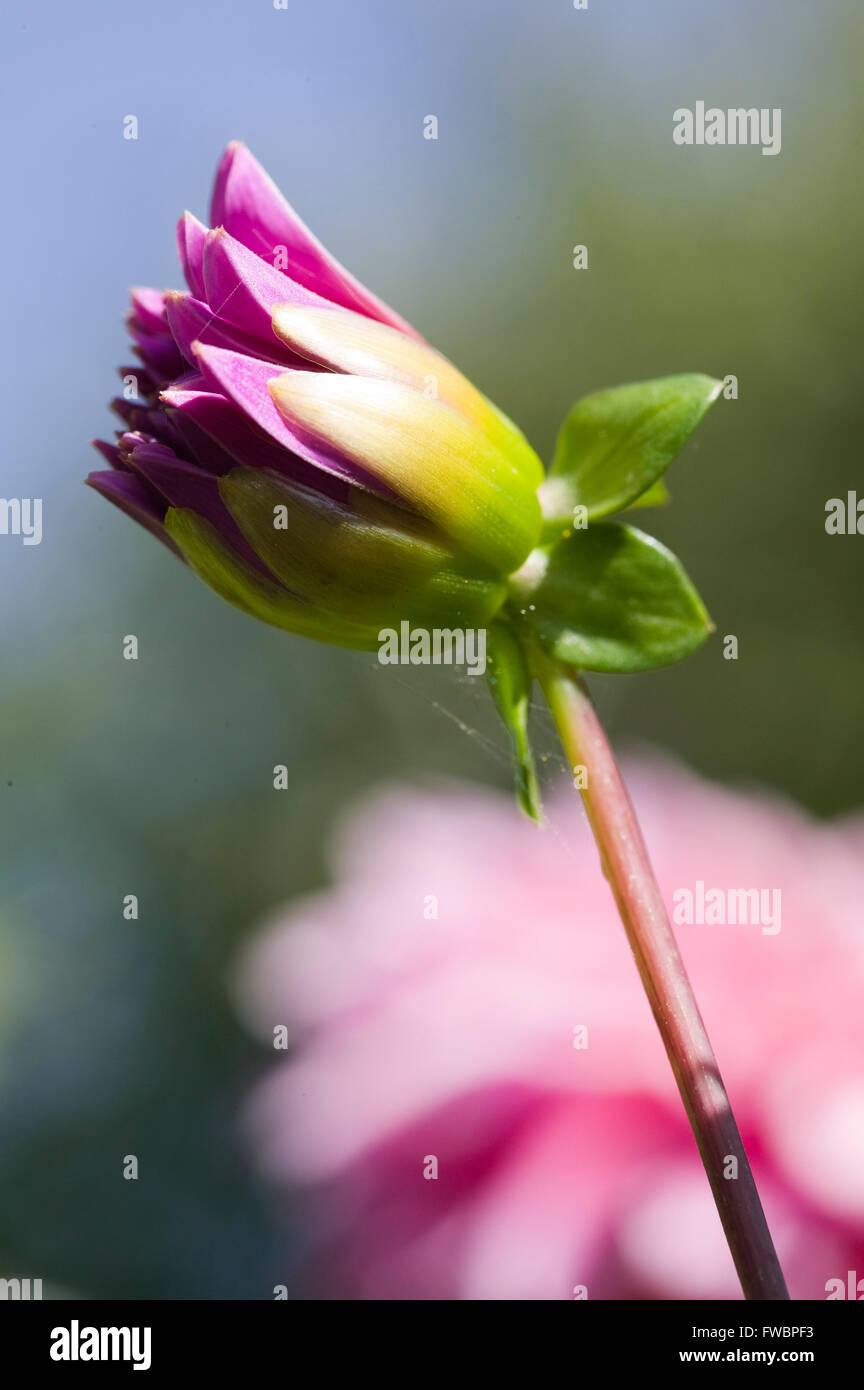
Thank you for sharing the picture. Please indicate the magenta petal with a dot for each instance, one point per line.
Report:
(202, 448)
(189, 381)
(137, 499)
(190, 244)
(110, 453)
(196, 411)
(181, 393)
(243, 289)
(148, 309)
(135, 439)
(190, 320)
(247, 203)
(205, 448)
(186, 485)
(146, 419)
(244, 381)
(223, 421)
(159, 353)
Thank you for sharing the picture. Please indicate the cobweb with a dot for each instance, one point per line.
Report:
(551, 762)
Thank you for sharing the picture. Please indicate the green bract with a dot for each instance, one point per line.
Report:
(358, 557)
(510, 683)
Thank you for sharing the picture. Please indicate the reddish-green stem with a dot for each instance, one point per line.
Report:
(628, 869)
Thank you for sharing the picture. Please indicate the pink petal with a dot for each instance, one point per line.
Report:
(539, 1228)
(148, 309)
(201, 411)
(190, 320)
(243, 289)
(190, 245)
(244, 381)
(186, 485)
(136, 498)
(247, 203)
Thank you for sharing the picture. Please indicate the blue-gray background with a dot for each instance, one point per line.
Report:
(155, 777)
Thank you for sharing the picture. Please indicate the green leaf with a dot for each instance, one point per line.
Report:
(657, 495)
(615, 444)
(612, 599)
(510, 684)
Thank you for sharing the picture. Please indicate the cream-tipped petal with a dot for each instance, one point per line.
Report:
(351, 343)
(444, 466)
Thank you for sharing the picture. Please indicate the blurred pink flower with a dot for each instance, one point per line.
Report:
(434, 997)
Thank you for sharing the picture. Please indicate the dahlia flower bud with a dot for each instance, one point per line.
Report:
(324, 469)
(301, 447)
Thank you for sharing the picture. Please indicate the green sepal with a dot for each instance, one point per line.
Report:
(614, 445)
(611, 599)
(510, 682)
(358, 556)
(235, 580)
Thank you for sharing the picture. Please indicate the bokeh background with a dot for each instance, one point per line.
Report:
(155, 777)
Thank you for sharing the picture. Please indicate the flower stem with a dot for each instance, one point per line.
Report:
(628, 869)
